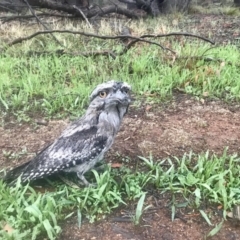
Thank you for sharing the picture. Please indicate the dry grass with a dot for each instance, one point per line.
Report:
(114, 26)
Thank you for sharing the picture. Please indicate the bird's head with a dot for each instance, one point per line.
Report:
(111, 96)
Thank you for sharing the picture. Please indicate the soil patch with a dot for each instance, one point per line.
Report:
(183, 125)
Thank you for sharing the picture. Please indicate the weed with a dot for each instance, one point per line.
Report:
(140, 210)
(199, 179)
(60, 85)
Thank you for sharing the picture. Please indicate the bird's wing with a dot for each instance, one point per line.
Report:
(68, 151)
(15, 173)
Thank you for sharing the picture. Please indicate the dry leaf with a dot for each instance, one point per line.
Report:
(196, 78)
(209, 71)
(230, 214)
(218, 72)
(222, 65)
(175, 22)
(116, 165)
(8, 228)
(220, 69)
(148, 107)
(173, 59)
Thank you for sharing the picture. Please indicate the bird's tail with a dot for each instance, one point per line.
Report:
(13, 174)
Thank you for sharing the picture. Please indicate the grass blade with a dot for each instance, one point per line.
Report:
(205, 216)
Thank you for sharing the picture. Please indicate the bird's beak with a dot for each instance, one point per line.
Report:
(119, 98)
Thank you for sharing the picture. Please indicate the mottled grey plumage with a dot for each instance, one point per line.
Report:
(85, 141)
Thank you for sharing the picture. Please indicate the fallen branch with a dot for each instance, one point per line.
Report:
(83, 15)
(39, 20)
(107, 52)
(141, 38)
(174, 34)
(89, 13)
(22, 39)
(179, 34)
(5, 19)
(115, 9)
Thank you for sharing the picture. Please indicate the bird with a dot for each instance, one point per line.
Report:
(84, 142)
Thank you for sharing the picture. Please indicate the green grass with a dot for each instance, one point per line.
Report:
(200, 180)
(206, 178)
(59, 86)
(56, 85)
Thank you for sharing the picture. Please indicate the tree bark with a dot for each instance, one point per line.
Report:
(237, 3)
(169, 6)
(135, 8)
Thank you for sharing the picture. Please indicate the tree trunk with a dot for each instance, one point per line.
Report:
(156, 7)
(169, 6)
(12, 6)
(237, 3)
(82, 8)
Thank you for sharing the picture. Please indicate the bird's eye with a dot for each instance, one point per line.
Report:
(126, 90)
(102, 94)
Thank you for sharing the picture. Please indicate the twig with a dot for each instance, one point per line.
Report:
(168, 35)
(112, 9)
(8, 9)
(178, 34)
(135, 39)
(19, 17)
(19, 40)
(208, 50)
(39, 20)
(61, 52)
(128, 1)
(83, 15)
(35, 15)
(130, 44)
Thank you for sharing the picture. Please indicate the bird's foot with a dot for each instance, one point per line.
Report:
(83, 181)
(101, 168)
(69, 183)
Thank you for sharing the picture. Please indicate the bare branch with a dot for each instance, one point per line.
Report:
(83, 15)
(39, 20)
(116, 9)
(128, 1)
(137, 39)
(128, 46)
(178, 34)
(168, 35)
(89, 12)
(19, 17)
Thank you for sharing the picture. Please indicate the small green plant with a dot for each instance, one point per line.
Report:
(60, 86)
(204, 177)
(27, 212)
(140, 209)
(199, 179)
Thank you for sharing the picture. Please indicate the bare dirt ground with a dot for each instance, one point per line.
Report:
(171, 129)
(165, 130)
